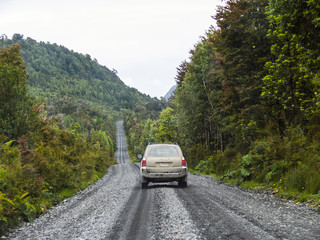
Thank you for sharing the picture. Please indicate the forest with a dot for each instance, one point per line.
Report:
(57, 125)
(247, 106)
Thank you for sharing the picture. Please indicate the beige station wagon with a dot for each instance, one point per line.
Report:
(163, 162)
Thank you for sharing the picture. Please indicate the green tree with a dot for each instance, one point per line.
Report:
(166, 127)
(243, 48)
(196, 94)
(15, 104)
(148, 133)
(291, 87)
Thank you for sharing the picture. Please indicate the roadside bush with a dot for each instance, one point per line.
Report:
(226, 161)
(61, 163)
(242, 172)
(205, 166)
(297, 147)
(303, 178)
(296, 179)
(303, 158)
(278, 169)
(195, 154)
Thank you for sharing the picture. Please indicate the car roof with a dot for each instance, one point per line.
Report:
(166, 143)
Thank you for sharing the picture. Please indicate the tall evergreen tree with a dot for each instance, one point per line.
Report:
(244, 48)
(15, 104)
(292, 86)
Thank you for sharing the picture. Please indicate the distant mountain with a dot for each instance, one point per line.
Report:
(56, 72)
(170, 93)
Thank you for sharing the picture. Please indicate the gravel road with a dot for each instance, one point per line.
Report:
(116, 207)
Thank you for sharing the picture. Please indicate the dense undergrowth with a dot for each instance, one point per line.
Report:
(32, 179)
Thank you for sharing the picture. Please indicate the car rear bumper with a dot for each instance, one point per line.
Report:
(163, 176)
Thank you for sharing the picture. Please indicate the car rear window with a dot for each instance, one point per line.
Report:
(164, 152)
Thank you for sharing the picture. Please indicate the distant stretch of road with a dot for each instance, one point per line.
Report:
(117, 208)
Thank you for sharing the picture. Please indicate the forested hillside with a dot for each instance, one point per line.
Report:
(247, 104)
(55, 72)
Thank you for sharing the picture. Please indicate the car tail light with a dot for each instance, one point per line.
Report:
(143, 162)
(184, 162)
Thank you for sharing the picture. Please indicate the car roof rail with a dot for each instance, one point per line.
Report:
(151, 143)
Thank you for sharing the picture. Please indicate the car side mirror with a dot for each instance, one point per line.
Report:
(139, 156)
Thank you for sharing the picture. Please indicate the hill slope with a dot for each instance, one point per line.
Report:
(55, 71)
(170, 93)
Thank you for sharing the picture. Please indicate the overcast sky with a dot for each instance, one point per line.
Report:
(144, 40)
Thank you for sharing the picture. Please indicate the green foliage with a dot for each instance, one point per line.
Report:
(16, 116)
(242, 48)
(196, 98)
(206, 166)
(194, 154)
(278, 169)
(242, 172)
(291, 87)
(203, 166)
(166, 130)
(302, 157)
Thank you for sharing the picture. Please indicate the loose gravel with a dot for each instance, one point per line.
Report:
(172, 219)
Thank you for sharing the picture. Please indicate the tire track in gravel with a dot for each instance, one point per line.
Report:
(154, 213)
(214, 220)
(224, 212)
(135, 219)
(172, 220)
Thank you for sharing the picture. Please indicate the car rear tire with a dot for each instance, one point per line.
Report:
(182, 184)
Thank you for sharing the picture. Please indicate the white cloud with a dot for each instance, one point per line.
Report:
(156, 82)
